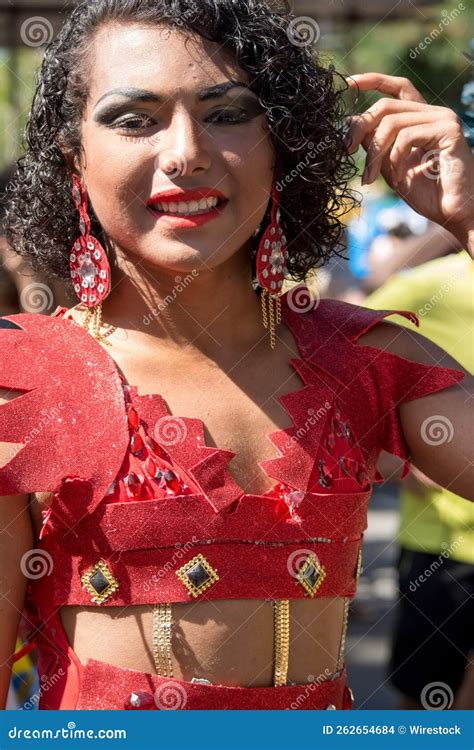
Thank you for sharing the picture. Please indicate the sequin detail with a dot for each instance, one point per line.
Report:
(341, 458)
(139, 700)
(147, 471)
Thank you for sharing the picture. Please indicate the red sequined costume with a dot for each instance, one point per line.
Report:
(128, 489)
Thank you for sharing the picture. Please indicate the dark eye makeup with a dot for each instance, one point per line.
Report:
(140, 121)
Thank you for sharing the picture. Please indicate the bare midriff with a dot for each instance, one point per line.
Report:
(226, 641)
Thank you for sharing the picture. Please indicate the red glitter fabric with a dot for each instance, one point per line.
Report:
(136, 489)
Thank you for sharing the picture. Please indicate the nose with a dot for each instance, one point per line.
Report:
(182, 148)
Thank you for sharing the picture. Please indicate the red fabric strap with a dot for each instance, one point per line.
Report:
(246, 571)
(141, 524)
(106, 687)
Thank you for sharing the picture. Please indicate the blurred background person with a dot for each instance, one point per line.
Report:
(433, 640)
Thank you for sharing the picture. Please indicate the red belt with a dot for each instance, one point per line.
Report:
(245, 571)
(106, 687)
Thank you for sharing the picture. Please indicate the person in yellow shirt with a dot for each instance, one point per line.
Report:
(434, 630)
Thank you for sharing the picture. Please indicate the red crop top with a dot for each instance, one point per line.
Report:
(144, 512)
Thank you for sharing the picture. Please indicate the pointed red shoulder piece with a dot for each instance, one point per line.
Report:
(70, 420)
(374, 382)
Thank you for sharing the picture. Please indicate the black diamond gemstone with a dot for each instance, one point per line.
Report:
(99, 581)
(311, 575)
(198, 575)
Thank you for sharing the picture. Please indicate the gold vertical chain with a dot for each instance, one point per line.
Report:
(93, 315)
(281, 614)
(342, 646)
(271, 314)
(278, 310)
(263, 300)
(271, 307)
(162, 634)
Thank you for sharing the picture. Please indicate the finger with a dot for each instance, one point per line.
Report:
(361, 125)
(444, 138)
(384, 137)
(424, 137)
(401, 88)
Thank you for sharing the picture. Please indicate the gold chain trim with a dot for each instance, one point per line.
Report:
(340, 661)
(94, 315)
(271, 310)
(263, 301)
(162, 633)
(271, 314)
(282, 641)
(278, 310)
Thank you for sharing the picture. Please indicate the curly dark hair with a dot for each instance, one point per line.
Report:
(302, 98)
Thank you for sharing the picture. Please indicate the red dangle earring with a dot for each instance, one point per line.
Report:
(89, 266)
(271, 263)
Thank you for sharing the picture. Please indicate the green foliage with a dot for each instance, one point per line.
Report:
(439, 70)
(17, 85)
(428, 49)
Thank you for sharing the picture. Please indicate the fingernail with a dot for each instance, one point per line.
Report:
(365, 176)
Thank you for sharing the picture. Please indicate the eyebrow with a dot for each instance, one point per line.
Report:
(141, 95)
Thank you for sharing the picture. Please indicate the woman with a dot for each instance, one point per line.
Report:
(173, 576)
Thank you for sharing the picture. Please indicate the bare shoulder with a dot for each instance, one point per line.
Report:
(409, 344)
(438, 427)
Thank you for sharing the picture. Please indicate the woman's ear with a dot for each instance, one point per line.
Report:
(70, 156)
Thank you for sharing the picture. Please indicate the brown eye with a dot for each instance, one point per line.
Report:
(230, 116)
(142, 120)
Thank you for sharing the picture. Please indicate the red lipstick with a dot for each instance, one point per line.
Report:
(175, 196)
(187, 221)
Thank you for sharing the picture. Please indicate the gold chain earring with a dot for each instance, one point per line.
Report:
(89, 267)
(271, 263)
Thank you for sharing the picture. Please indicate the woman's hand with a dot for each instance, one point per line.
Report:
(420, 150)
